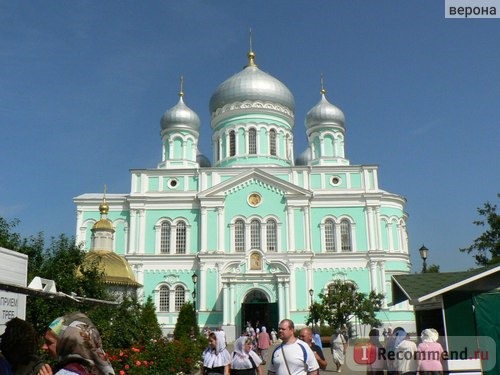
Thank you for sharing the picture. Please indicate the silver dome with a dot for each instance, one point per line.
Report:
(324, 113)
(251, 84)
(180, 116)
(304, 158)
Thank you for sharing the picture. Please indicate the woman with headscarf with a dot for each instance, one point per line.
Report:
(75, 341)
(405, 351)
(430, 353)
(245, 361)
(216, 358)
(338, 347)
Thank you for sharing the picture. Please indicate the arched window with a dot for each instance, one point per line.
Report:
(232, 143)
(165, 238)
(164, 298)
(345, 235)
(217, 149)
(271, 235)
(180, 297)
(252, 141)
(329, 235)
(239, 235)
(272, 142)
(255, 234)
(180, 238)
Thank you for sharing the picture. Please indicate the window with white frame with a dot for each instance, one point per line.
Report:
(164, 300)
(165, 237)
(329, 235)
(239, 235)
(271, 235)
(272, 142)
(180, 238)
(255, 234)
(180, 297)
(252, 141)
(345, 235)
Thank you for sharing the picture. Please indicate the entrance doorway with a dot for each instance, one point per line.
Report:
(257, 309)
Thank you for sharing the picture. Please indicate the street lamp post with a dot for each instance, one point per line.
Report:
(424, 252)
(311, 294)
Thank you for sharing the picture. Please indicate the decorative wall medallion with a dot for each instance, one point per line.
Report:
(254, 199)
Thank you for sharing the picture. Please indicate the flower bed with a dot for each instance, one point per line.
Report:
(158, 357)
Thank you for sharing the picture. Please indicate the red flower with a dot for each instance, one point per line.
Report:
(127, 367)
(137, 363)
(122, 372)
(136, 350)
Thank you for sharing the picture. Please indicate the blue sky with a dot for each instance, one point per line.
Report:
(83, 85)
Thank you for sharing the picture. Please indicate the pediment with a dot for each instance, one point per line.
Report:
(255, 176)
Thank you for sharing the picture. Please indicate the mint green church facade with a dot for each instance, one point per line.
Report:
(259, 227)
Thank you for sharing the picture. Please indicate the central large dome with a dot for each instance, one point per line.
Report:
(251, 84)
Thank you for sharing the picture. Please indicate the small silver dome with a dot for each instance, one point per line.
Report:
(202, 160)
(251, 84)
(180, 116)
(324, 113)
(304, 158)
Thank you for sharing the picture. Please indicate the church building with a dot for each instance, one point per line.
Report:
(256, 234)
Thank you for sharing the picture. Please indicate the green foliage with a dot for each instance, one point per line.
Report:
(344, 301)
(487, 245)
(150, 329)
(186, 326)
(433, 268)
(159, 357)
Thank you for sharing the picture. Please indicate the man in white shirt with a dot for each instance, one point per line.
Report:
(293, 356)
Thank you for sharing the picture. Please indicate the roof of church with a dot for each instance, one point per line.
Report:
(115, 267)
(251, 84)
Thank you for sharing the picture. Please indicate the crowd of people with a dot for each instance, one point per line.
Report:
(75, 343)
(72, 340)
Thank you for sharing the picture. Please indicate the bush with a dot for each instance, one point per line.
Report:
(159, 357)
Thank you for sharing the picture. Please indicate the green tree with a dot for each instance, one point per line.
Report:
(186, 326)
(433, 268)
(343, 302)
(150, 329)
(487, 246)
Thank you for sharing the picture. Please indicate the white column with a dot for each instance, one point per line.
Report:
(225, 297)
(371, 239)
(203, 287)
(373, 275)
(220, 229)
(281, 301)
(378, 230)
(231, 304)
(292, 297)
(383, 283)
(290, 228)
(204, 230)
